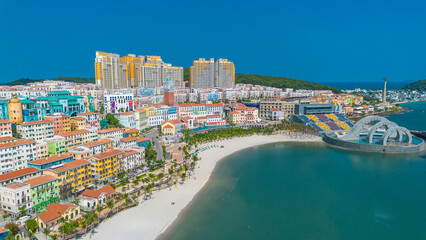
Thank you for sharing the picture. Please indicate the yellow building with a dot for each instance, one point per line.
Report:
(55, 212)
(73, 176)
(106, 165)
(15, 110)
(77, 123)
(210, 73)
(168, 128)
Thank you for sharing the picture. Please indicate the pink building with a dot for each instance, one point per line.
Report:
(5, 128)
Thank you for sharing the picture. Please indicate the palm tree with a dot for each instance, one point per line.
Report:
(53, 237)
(110, 204)
(99, 209)
(46, 232)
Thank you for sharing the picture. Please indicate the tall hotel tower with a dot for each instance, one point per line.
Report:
(113, 71)
(211, 73)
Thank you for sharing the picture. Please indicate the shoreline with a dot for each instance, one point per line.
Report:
(155, 218)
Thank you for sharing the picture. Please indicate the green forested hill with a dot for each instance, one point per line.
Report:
(23, 81)
(279, 82)
(417, 85)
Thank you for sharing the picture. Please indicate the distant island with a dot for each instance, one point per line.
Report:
(417, 86)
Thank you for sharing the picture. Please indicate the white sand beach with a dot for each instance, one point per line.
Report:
(153, 217)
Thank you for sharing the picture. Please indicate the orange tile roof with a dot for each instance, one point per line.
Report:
(185, 104)
(97, 142)
(17, 143)
(234, 112)
(18, 173)
(221, 104)
(55, 211)
(142, 139)
(73, 132)
(78, 118)
(128, 139)
(167, 126)
(129, 152)
(107, 189)
(130, 130)
(50, 159)
(15, 185)
(141, 110)
(107, 130)
(70, 165)
(40, 180)
(127, 113)
(36, 122)
(7, 138)
(4, 121)
(214, 115)
(107, 154)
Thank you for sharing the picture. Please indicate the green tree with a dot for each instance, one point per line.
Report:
(12, 227)
(31, 225)
(10, 236)
(53, 237)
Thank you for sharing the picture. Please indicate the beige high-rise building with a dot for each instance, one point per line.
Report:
(211, 73)
(113, 71)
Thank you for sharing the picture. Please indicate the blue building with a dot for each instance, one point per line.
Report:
(48, 162)
(143, 142)
(61, 102)
(213, 96)
(29, 112)
(4, 111)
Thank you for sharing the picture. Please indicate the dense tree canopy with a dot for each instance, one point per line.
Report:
(24, 81)
(279, 82)
(417, 85)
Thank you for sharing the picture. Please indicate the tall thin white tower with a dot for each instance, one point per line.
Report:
(384, 90)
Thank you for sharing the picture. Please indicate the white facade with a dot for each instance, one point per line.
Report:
(118, 102)
(14, 196)
(38, 130)
(128, 120)
(15, 155)
(133, 158)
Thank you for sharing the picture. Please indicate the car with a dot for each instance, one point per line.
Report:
(23, 219)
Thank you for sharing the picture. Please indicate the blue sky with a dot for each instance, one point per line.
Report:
(320, 41)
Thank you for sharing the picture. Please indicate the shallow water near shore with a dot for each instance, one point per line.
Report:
(311, 191)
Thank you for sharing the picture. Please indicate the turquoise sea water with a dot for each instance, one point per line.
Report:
(309, 191)
(415, 120)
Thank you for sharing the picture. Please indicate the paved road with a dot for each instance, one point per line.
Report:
(152, 135)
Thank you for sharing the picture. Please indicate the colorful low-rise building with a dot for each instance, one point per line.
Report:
(143, 142)
(91, 119)
(99, 146)
(130, 132)
(77, 137)
(56, 145)
(44, 190)
(5, 128)
(106, 165)
(55, 212)
(128, 142)
(15, 155)
(73, 176)
(52, 161)
(41, 150)
(19, 175)
(14, 196)
(37, 130)
(77, 123)
(90, 199)
(132, 158)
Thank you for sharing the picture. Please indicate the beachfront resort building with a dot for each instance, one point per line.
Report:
(55, 212)
(52, 161)
(73, 176)
(106, 165)
(90, 199)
